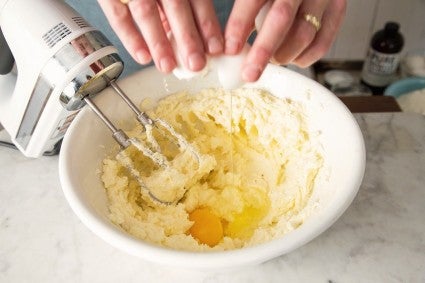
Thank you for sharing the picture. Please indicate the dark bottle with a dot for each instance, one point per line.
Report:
(383, 57)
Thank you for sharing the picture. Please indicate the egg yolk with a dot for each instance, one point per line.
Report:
(207, 227)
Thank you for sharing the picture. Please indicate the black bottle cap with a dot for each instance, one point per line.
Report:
(391, 28)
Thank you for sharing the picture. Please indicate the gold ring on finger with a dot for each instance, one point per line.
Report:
(312, 20)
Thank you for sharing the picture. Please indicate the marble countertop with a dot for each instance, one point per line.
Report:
(380, 238)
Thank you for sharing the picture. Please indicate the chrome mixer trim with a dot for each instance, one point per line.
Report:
(54, 72)
(90, 81)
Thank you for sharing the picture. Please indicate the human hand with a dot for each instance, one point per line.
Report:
(286, 36)
(142, 26)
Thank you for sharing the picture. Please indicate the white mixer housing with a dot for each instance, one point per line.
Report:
(59, 59)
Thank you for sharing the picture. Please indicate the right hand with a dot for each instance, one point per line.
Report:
(285, 37)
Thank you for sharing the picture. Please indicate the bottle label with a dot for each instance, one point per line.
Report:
(379, 68)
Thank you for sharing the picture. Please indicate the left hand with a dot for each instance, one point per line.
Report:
(286, 36)
(143, 25)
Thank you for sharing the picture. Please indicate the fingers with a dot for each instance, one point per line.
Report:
(185, 32)
(331, 22)
(195, 29)
(143, 25)
(274, 29)
(164, 20)
(146, 15)
(302, 32)
(208, 26)
(120, 19)
(240, 24)
(286, 36)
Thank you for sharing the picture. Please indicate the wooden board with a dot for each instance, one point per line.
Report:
(366, 104)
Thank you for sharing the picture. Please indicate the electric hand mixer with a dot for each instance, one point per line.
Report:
(61, 63)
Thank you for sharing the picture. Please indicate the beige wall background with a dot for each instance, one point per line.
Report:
(364, 17)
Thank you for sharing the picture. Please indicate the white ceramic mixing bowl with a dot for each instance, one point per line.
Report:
(88, 141)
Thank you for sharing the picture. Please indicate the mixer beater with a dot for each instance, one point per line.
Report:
(149, 147)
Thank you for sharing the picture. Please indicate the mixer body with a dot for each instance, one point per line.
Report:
(59, 59)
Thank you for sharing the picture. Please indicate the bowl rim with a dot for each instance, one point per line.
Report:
(212, 259)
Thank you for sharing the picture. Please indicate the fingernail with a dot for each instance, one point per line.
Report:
(167, 64)
(215, 46)
(232, 45)
(143, 57)
(251, 73)
(196, 61)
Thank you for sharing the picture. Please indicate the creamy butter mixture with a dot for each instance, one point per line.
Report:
(255, 173)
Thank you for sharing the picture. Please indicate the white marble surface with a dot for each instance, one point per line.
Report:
(380, 238)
